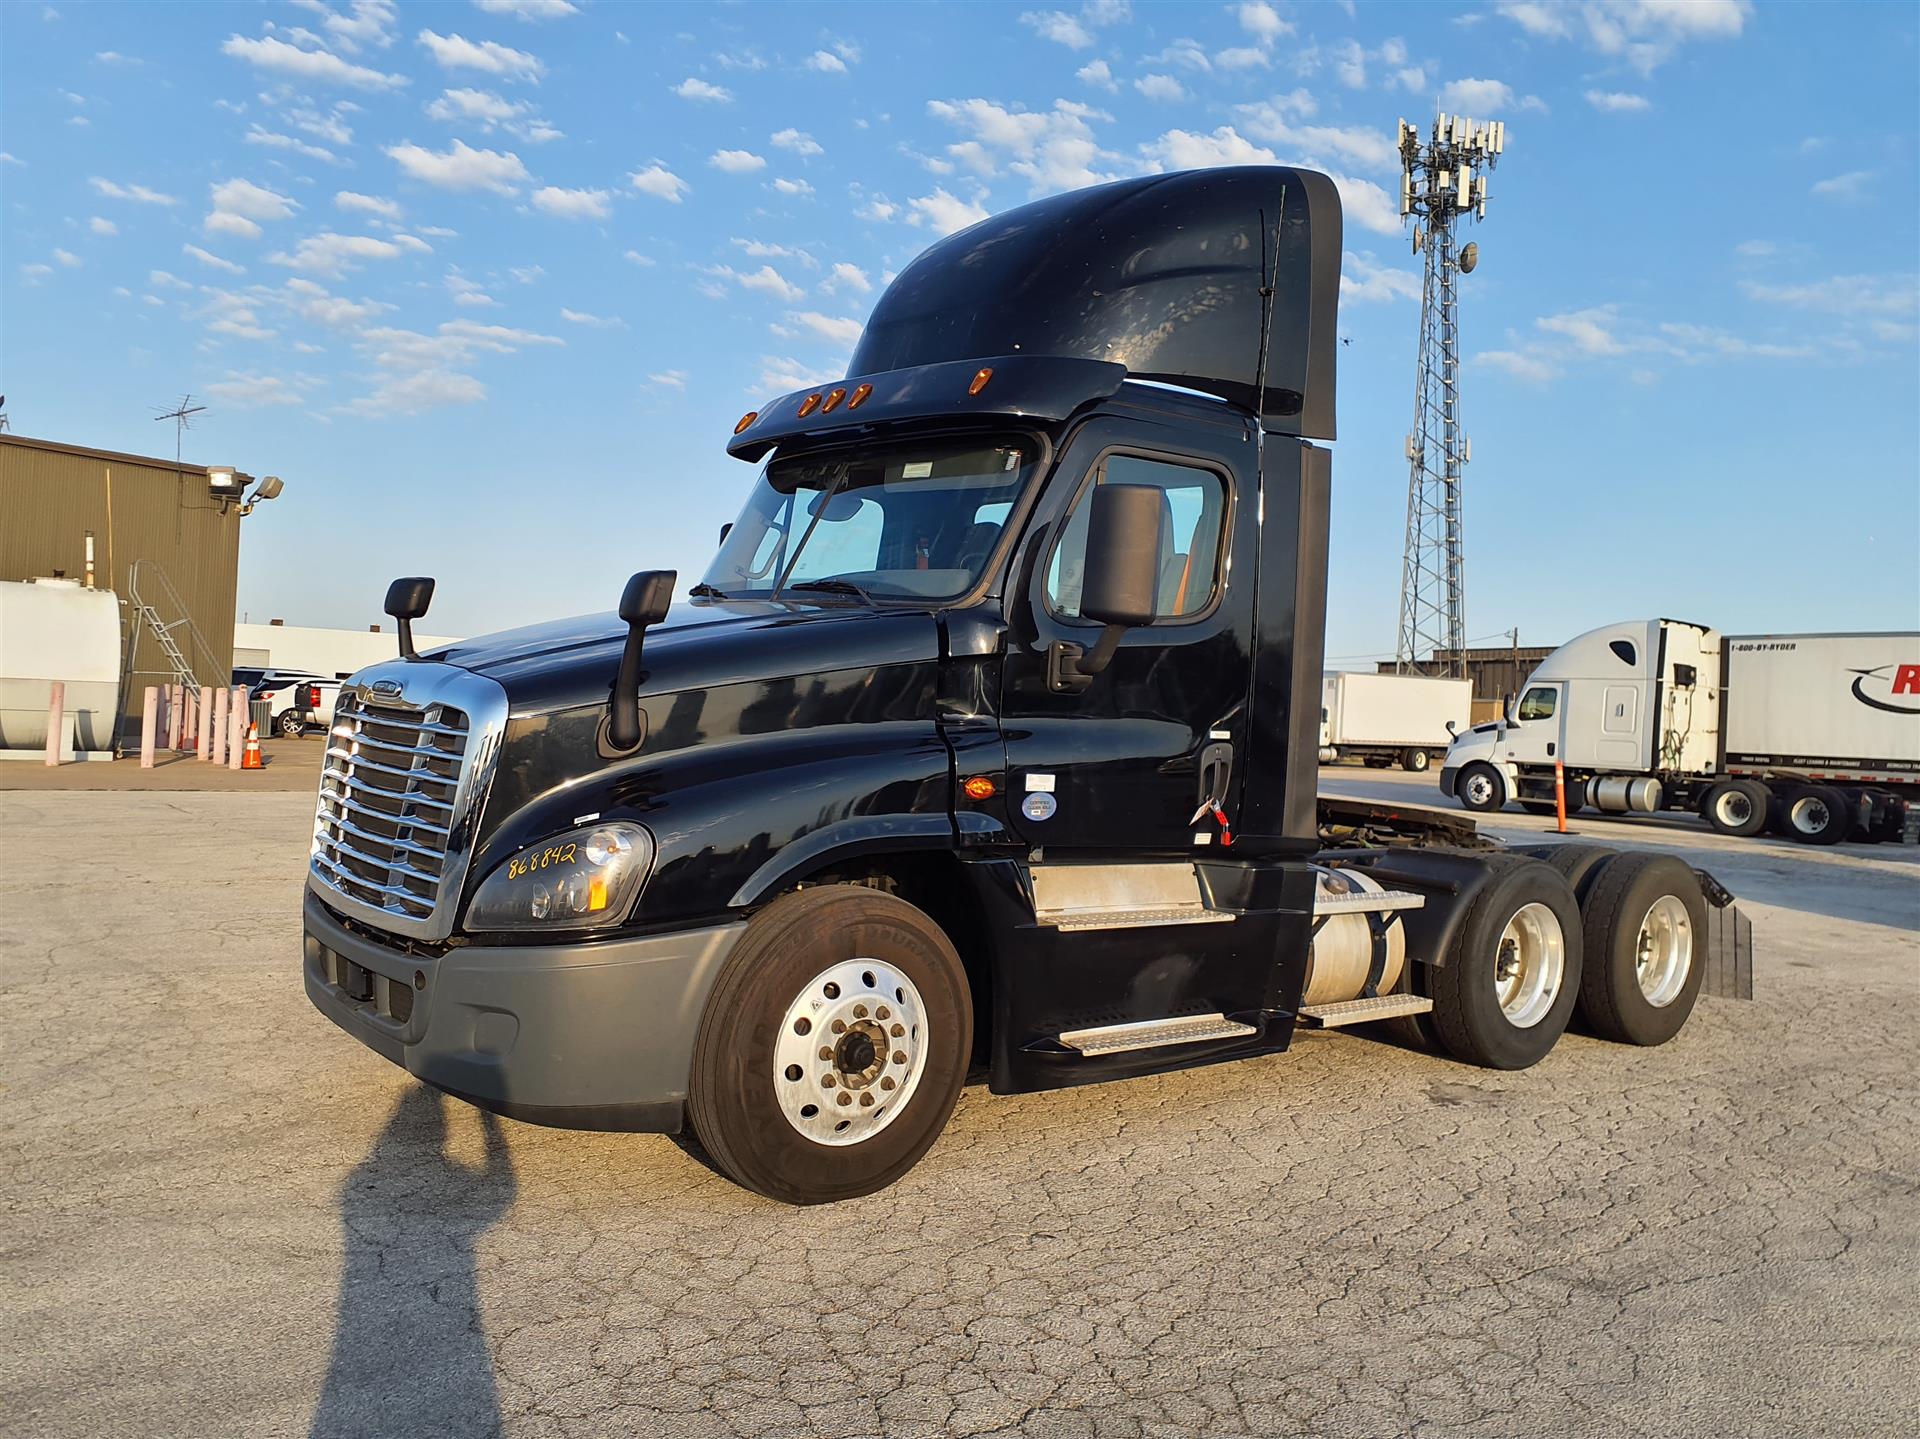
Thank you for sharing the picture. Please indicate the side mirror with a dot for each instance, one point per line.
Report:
(644, 602)
(1507, 715)
(407, 600)
(1122, 575)
(1451, 731)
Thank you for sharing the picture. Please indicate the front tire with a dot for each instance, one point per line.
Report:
(833, 1046)
(1507, 990)
(1645, 925)
(1481, 787)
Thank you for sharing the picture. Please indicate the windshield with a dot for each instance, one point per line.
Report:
(912, 521)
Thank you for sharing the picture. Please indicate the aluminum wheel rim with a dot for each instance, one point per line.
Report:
(1663, 951)
(851, 1049)
(1809, 815)
(1529, 965)
(1479, 789)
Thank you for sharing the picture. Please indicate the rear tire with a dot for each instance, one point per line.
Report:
(1416, 761)
(1816, 814)
(768, 1108)
(1576, 863)
(1645, 925)
(288, 726)
(1481, 787)
(1507, 990)
(1737, 807)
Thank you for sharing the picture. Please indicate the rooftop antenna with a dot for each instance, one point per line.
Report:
(1442, 179)
(181, 415)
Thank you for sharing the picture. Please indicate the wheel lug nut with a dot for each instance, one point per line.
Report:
(882, 1012)
(887, 1083)
(826, 1052)
(845, 1098)
(899, 1031)
(899, 1056)
(859, 1011)
(866, 1100)
(839, 1026)
(826, 1081)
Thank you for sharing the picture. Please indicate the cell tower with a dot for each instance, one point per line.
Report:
(1441, 180)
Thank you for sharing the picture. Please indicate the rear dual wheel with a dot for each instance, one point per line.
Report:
(1816, 814)
(1507, 990)
(1645, 923)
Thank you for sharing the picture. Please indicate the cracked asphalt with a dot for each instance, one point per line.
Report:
(224, 1217)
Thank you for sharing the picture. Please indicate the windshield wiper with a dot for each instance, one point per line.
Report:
(706, 591)
(835, 586)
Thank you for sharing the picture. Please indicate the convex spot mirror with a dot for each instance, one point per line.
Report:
(837, 508)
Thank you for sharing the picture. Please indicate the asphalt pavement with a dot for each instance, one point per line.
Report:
(224, 1217)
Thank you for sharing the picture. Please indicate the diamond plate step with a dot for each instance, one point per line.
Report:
(1153, 1033)
(1367, 902)
(1068, 920)
(1362, 1011)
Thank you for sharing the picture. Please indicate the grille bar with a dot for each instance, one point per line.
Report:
(403, 779)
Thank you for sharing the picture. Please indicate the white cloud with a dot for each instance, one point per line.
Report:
(798, 141)
(1243, 57)
(596, 322)
(1059, 27)
(848, 277)
(573, 204)
(764, 250)
(34, 274)
(1850, 186)
(138, 193)
(792, 187)
(213, 261)
(1160, 87)
(466, 293)
(1186, 53)
(9, 159)
(737, 162)
(162, 280)
(529, 9)
(318, 305)
(779, 375)
(318, 66)
(657, 180)
(422, 390)
(1885, 296)
(331, 254)
(1183, 150)
(260, 135)
(1054, 149)
(693, 88)
(462, 167)
(114, 57)
(1589, 331)
(878, 208)
(668, 379)
(1525, 365)
(367, 204)
(1363, 278)
(481, 106)
(101, 226)
(68, 259)
(1359, 145)
(1263, 22)
(1476, 97)
(634, 257)
(766, 280)
(944, 212)
(828, 327)
(1617, 101)
(1643, 33)
(1099, 74)
(826, 62)
(252, 392)
(456, 52)
(239, 204)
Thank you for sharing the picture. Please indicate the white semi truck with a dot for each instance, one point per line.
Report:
(1391, 719)
(1816, 737)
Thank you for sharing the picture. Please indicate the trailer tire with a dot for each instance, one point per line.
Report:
(1816, 814)
(1481, 787)
(1508, 988)
(1416, 760)
(1737, 807)
(1645, 922)
(816, 951)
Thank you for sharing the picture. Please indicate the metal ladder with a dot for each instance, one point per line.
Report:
(147, 616)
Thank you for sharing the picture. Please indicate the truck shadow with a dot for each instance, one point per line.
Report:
(410, 1351)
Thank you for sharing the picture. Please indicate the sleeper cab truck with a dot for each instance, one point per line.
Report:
(1814, 737)
(985, 744)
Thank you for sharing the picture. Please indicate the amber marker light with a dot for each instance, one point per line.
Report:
(745, 420)
(979, 787)
(810, 404)
(980, 378)
(860, 393)
(833, 402)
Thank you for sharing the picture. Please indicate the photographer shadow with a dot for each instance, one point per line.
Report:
(410, 1350)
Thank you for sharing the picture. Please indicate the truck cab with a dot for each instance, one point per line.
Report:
(985, 743)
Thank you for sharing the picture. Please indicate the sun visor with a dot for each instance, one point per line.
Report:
(1162, 274)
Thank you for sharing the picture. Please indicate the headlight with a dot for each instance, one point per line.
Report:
(583, 879)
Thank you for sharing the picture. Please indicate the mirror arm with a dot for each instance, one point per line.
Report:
(623, 721)
(1101, 655)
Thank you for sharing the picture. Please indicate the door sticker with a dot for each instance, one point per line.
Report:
(1039, 784)
(1039, 805)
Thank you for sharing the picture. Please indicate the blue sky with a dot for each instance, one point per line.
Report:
(487, 283)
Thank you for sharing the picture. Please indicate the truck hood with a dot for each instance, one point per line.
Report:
(566, 663)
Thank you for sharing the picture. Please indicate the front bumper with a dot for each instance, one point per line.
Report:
(1447, 778)
(583, 1036)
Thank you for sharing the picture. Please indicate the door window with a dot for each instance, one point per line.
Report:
(1537, 703)
(1192, 521)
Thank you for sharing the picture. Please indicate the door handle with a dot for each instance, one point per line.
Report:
(1216, 773)
(1549, 749)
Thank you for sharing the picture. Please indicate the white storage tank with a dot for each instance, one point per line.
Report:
(56, 629)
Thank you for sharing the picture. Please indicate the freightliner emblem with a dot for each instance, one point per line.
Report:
(390, 688)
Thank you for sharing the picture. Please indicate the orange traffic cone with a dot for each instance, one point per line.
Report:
(251, 759)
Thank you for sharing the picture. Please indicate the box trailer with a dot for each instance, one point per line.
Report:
(1814, 736)
(1391, 719)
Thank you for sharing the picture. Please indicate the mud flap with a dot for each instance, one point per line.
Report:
(1729, 957)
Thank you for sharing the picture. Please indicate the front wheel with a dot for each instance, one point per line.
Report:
(833, 1047)
(1505, 994)
(1481, 787)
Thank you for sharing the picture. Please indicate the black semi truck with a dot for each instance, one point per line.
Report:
(985, 746)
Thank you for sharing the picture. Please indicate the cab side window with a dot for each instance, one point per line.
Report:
(1537, 704)
(1192, 523)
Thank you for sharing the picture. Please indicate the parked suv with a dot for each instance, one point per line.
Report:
(299, 704)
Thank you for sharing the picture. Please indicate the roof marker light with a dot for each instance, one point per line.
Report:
(980, 378)
(860, 393)
(810, 404)
(745, 420)
(833, 401)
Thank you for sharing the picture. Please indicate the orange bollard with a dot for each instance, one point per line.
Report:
(1560, 796)
(251, 759)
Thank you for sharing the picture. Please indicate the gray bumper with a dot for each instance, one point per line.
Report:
(1447, 777)
(585, 1036)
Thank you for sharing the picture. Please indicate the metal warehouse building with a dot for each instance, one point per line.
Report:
(160, 539)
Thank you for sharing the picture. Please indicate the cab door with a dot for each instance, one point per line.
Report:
(1534, 738)
(1121, 761)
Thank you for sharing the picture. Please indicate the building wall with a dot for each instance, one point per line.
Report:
(139, 509)
(1496, 671)
(322, 651)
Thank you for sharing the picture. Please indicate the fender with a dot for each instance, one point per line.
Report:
(848, 839)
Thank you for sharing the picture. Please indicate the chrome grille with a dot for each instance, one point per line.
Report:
(400, 787)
